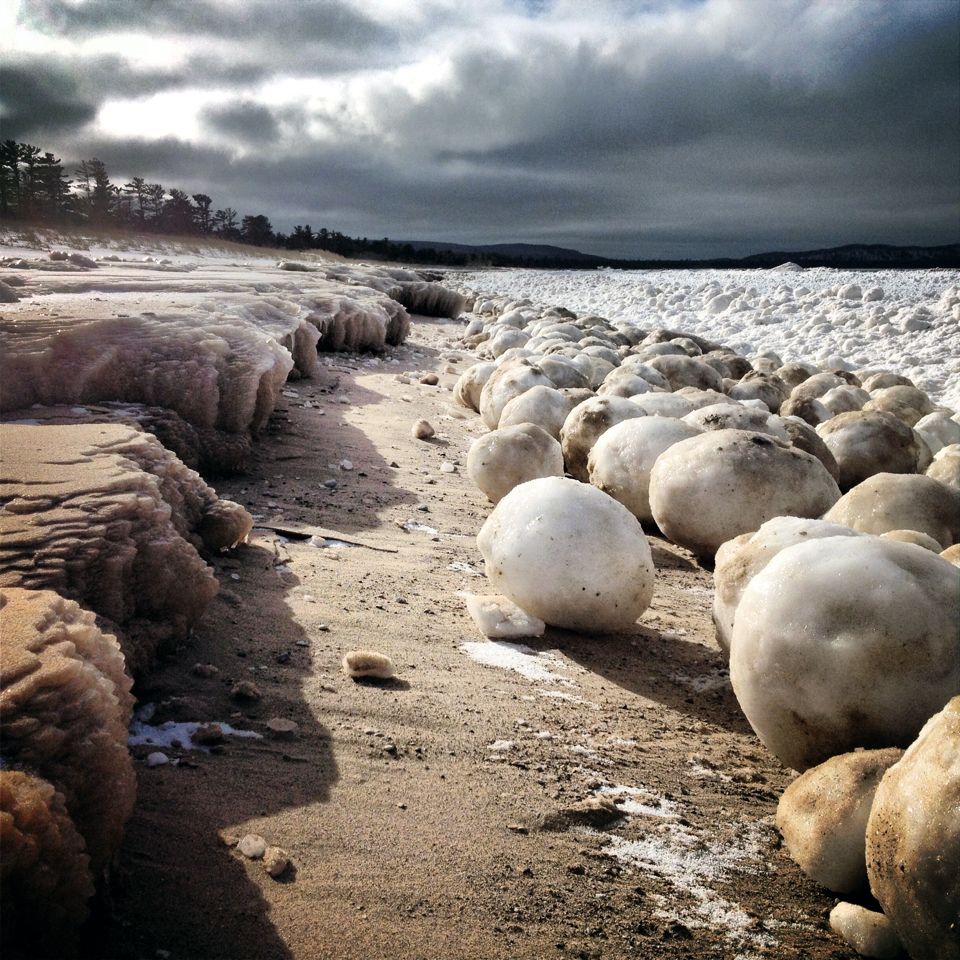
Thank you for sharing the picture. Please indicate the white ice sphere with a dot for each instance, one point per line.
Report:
(544, 406)
(845, 642)
(730, 416)
(563, 372)
(702, 398)
(623, 386)
(500, 460)
(739, 560)
(916, 537)
(506, 382)
(946, 466)
(711, 488)
(808, 409)
(507, 339)
(467, 389)
(815, 386)
(901, 501)
(621, 460)
(844, 399)
(570, 555)
(938, 430)
(500, 618)
(584, 425)
(873, 294)
(823, 816)
(913, 841)
(881, 379)
(663, 404)
(850, 291)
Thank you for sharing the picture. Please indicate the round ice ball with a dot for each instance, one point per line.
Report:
(570, 555)
(684, 371)
(845, 642)
(907, 403)
(946, 466)
(508, 381)
(938, 430)
(823, 816)
(739, 560)
(913, 841)
(867, 442)
(663, 404)
(711, 488)
(544, 406)
(735, 416)
(502, 459)
(621, 460)
(899, 501)
(586, 423)
(467, 389)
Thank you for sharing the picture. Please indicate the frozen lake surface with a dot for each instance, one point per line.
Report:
(904, 320)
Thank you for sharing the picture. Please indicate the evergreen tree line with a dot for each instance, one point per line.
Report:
(35, 187)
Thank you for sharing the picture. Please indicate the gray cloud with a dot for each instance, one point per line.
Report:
(776, 127)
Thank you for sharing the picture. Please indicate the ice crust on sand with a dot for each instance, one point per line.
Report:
(845, 642)
(105, 515)
(65, 703)
(499, 618)
(913, 840)
(45, 877)
(569, 555)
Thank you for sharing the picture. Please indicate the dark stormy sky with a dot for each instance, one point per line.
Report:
(621, 127)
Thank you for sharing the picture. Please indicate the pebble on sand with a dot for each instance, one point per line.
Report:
(422, 430)
(430, 379)
(252, 846)
(246, 690)
(281, 728)
(367, 663)
(276, 861)
(157, 759)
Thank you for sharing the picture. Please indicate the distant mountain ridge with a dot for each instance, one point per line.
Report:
(849, 256)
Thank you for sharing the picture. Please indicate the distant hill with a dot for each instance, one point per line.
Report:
(850, 256)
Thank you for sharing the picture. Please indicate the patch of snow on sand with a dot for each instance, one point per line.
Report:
(904, 320)
(519, 658)
(693, 864)
(715, 680)
(172, 733)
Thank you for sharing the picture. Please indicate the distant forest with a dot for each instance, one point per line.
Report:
(35, 188)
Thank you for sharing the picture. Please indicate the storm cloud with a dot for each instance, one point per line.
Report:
(658, 128)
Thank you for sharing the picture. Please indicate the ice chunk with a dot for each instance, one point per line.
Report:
(500, 618)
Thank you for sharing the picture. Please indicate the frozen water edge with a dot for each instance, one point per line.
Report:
(811, 315)
(172, 733)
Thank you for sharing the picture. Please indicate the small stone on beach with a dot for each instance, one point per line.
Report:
(422, 430)
(252, 846)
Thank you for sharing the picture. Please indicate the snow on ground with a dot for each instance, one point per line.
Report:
(905, 320)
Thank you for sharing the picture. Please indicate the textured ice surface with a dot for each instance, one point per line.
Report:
(105, 515)
(801, 315)
(64, 706)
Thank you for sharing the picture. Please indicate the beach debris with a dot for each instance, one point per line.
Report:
(423, 430)
(360, 664)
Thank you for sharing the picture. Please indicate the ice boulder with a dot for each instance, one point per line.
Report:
(938, 430)
(569, 555)
(509, 380)
(845, 642)
(907, 403)
(945, 466)
(621, 460)
(684, 371)
(823, 817)
(544, 406)
(739, 560)
(466, 390)
(502, 459)
(586, 423)
(735, 416)
(711, 488)
(897, 501)
(867, 442)
(913, 841)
